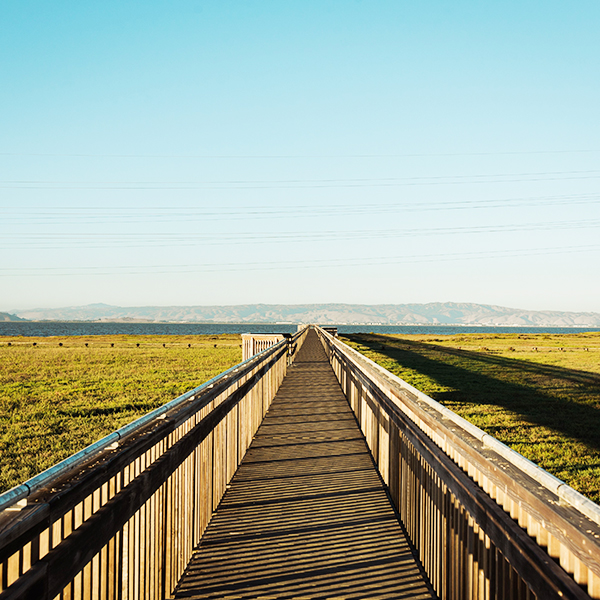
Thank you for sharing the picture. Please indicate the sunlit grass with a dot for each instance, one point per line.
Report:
(56, 400)
(537, 393)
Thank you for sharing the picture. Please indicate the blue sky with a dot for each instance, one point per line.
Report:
(200, 152)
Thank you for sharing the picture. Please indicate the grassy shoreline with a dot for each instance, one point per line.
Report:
(537, 393)
(59, 394)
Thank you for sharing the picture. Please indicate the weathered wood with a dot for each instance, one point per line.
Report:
(498, 513)
(252, 343)
(306, 515)
(574, 530)
(96, 531)
(17, 530)
(125, 525)
(542, 574)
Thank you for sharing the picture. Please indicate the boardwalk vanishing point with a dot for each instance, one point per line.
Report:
(306, 516)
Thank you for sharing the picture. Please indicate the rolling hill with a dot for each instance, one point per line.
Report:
(451, 313)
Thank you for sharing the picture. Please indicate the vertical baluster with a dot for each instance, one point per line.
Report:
(177, 526)
(111, 557)
(11, 571)
(87, 570)
(453, 549)
(553, 546)
(149, 554)
(189, 526)
(95, 566)
(26, 560)
(426, 523)
(166, 537)
(492, 565)
(160, 542)
(454, 558)
(566, 558)
(140, 539)
(444, 542)
(523, 590)
(181, 519)
(593, 585)
(464, 562)
(428, 518)
(501, 581)
(3, 575)
(196, 502)
(435, 505)
(125, 546)
(486, 567)
(480, 557)
(472, 566)
(154, 532)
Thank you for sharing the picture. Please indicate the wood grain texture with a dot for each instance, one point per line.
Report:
(483, 528)
(306, 515)
(124, 526)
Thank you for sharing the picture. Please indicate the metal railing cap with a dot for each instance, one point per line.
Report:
(554, 484)
(25, 489)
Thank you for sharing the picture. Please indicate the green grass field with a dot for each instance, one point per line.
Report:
(56, 400)
(537, 393)
(540, 394)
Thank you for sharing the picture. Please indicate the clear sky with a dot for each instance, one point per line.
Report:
(228, 152)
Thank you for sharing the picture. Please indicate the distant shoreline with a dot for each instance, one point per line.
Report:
(80, 328)
(262, 323)
(449, 314)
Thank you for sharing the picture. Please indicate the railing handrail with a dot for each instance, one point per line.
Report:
(502, 480)
(75, 461)
(144, 493)
(557, 486)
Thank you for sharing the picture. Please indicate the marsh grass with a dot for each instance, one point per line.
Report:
(537, 393)
(56, 400)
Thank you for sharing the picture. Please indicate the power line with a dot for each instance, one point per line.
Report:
(159, 239)
(303, 183)
(295, 156)
(276, 181)
(95, 214)
(289, 265)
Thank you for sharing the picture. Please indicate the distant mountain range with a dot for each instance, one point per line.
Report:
(450, 313)
(8, 317)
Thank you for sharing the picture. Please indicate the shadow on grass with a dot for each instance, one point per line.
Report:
(100, 411)
(565, 400)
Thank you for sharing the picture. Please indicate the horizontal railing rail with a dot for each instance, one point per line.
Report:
(485, 522)
(120, 519)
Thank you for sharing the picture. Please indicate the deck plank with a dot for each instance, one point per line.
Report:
(306, 515)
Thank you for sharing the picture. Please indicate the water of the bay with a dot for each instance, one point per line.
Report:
(45, 329)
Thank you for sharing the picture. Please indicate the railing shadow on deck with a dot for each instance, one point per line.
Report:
(487, 523)
(306, 516)
(120, 519)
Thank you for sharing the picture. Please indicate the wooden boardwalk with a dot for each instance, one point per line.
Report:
(306, 515)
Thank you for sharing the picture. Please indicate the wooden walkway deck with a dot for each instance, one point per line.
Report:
(306, 515)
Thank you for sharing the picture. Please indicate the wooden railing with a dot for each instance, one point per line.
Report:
(253, 343)
(120, 519)
(485, 522)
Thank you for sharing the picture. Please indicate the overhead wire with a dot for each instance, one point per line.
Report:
(160, 239)
(289, 265)
(141, 214)
(277, 181)
(303, 183)
(296, 156)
